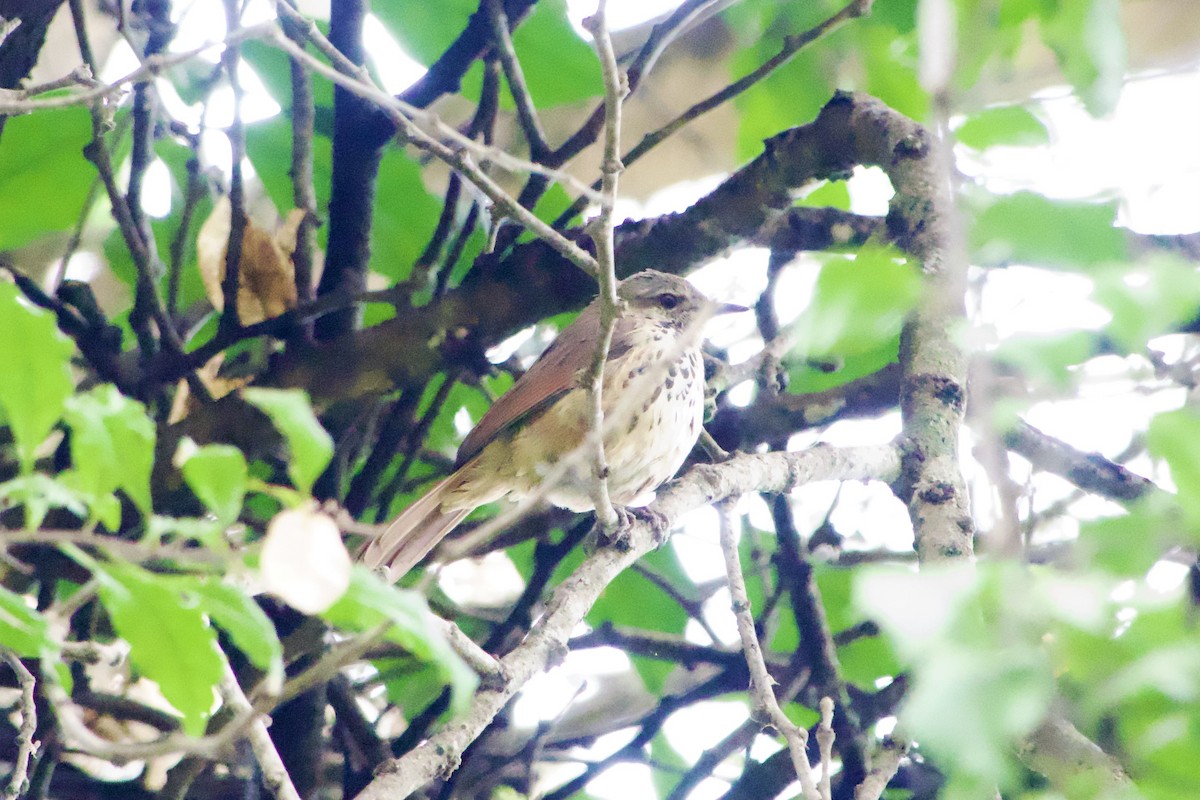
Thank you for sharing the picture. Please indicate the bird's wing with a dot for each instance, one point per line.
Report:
(551, 376)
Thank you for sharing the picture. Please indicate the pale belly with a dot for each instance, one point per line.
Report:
(648, 435)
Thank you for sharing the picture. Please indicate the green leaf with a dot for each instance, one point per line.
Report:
(891, 62)
(1047, 358)
(170, 642)
(858, 306)
(987, 30)
(405, 216)
(1174, 436)
(204, 530)
(112, 444)
(811, 377)
(1029, 228)
(829, 194)
(791, 96)
(35, 363)
(864, 661)
(217, 474)
(977, 687)
(1129, 544)
(425, 29)
(971, 706)
(1086, 36)
(1011, 126)
(236, 613)
(443, 434)
(559, 66)
(311, 445)
(274, 68)
(917, 611)
(269, 147)
(411, 684)
(22, 629)
(669, 765)
(1148, 299)
(38, 493)
(794, 92)
(369, 602)
(44, 178)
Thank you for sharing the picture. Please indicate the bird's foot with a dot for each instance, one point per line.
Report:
(618, 537)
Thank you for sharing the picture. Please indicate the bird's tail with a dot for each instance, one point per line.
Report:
(414, 533)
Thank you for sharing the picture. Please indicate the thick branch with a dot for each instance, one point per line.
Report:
(354, 180)
(573, 598)
(1091, 472)
(1068, 758)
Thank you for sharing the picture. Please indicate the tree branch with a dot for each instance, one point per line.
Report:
(766, 706)
(18, 780)
(572, 599)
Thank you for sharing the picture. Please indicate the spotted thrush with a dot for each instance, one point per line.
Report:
(653, 401)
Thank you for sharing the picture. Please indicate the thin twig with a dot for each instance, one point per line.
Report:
(274, 774)
(526, 110)
(825, 738)
(324, 668)
(150, 68)
(358, 80)
(193, 192)
(601, 231)
(419, 277)
(442, 284)
(156, 18)
(231, 318)
(791, 46)
(303, 192)
(462, 153)
(660, 35)
(60, 271)
(145, 259)
(122, 707)
(740, 738)
(761, 692)
(413, 442)
(136, 552)
(476, 657)
(693, 608)
(884, 766)
(79, 20)
(18, 781)
(77, 734)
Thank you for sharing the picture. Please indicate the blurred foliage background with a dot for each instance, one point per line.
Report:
(176, 480)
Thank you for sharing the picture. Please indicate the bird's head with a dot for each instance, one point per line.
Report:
(669, 299)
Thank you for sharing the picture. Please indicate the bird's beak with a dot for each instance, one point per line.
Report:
(728, 308)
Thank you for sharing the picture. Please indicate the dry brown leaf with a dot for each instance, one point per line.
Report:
(217, 386)
(267, 286)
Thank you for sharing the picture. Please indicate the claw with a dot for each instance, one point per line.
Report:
(660, 526)
(626, 517)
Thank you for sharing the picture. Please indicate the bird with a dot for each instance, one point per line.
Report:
(544, 418)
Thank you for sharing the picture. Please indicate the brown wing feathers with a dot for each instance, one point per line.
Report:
(424, 523)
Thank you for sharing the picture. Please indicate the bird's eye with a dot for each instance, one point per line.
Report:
(669, 301)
